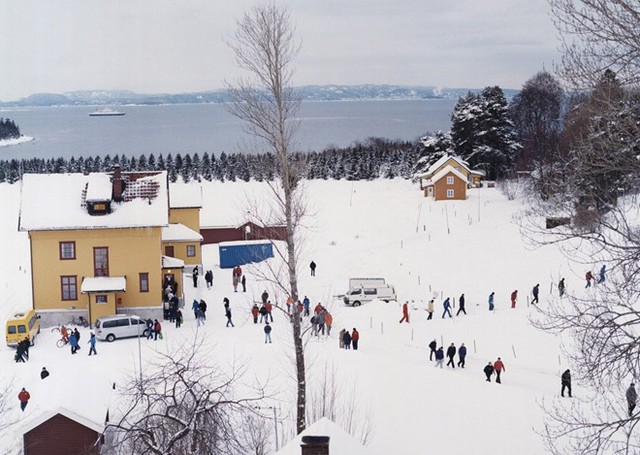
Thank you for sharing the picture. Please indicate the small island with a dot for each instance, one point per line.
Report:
(10, 133)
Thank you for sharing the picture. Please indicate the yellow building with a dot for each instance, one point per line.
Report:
(448, 178)
(97, 243)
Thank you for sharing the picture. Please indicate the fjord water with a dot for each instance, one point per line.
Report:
(190, 128)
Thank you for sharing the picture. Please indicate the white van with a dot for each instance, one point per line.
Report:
(356, 296)
(120, 326)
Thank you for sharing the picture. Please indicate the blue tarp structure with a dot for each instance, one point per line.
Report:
(240, 253)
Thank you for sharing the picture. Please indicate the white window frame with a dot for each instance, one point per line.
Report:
(449, 179)
(450, 193)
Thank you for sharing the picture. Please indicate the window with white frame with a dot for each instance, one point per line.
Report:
(450, 193)
(450, 180)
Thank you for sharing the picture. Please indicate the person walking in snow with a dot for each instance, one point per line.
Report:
(265, 297)
(601, 276)
(491, 300)
(346, 339)
(312, 266)
(488, 371)
(588, 277)
(632, 396)
(255, 311)
(263, 314)
(227, 313)
(405, 312)
(321, 319)
(24, 397)
(447, 307)
(234, 281)
(432, 346)
(178, 318)
(439, 357)
(451, 353)
(341, 338)
(199, 318)
(269, 307)
(202, 306)
(514, 298)
(328, 321)
(355, 338)
(208, 277)
(44, 373)
(149, 324)
(461, 303)
(194, 276)
(267, 333)
(314, 325)
(565, 381)
(498, 366)
(73, 341)
(462, 354)
(306, 303)
(561, 287)
(430, 309)
(535, 291)
(244, 283)
(157, 329)
(92, 343)
(195, 306)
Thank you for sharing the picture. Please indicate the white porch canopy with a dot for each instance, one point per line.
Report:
(104, 284)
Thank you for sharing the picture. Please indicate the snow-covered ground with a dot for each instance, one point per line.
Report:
(20, 140)
(380, 228)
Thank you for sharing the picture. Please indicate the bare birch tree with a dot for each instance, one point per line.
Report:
(264, 46)
(183, 405)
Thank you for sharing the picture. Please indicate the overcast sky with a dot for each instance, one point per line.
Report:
(175, 46)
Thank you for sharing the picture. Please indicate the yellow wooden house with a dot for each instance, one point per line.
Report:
(448, 178)
(97, 243)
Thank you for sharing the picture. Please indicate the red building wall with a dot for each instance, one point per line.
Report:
(61, 436)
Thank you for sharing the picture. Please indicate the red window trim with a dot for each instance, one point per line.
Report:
(62, 285)
(140, 275)
(60, 250)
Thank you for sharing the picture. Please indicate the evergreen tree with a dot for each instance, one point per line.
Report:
(430, 149)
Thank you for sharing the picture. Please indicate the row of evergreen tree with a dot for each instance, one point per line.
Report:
(8, 129)
(373, 158)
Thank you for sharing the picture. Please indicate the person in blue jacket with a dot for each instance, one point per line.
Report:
(491, 301)
(73, 341)
(447, 307)
(462, 354)
(92, 342)
(601, 276)
(195, 306)
(440, 357)
(306, 302)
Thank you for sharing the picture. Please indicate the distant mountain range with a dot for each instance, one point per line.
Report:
(309, 93)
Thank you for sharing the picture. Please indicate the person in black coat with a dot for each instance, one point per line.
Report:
(265, 297)
(202, 306)
(346, 339)
(44, 373)
(439, 356)
(488, 371)
(451, 353)
(566, 382)
(462, 354)
(433, 345)
(535, 291)
(461, 306)
(312, 266)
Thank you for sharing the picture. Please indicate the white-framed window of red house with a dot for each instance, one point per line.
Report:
(143, 279)
(191, 251)
(450, 193)
(449, 179)
(67, 250)
(69, 287)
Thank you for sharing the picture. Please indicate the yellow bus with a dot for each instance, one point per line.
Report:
(21, 326)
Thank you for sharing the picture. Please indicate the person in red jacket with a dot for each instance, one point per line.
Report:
(255, 311)
(498, 366)
(269, 307)
(405, 312)
(514, 297)
(157, 329)
(355, 336)
(23, 396)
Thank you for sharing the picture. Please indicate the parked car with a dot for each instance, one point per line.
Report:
(362, 290)
(110, 328)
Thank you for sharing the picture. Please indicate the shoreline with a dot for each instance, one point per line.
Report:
(18, 141)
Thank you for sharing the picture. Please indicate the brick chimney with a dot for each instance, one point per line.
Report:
(118, 186)
(315, 445)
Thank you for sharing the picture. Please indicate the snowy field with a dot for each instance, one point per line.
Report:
(383, 228)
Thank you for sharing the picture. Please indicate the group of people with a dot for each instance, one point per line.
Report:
(237, 277)
(199, 311)
(22, 350)
(439, 354)
(346, 340)
(154, 329)
(321, 318)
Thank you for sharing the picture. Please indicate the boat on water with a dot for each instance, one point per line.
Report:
(106, 112)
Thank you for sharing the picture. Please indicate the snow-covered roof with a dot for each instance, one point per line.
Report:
(178, 232)
(244, 242)
(104, 284)
(446, 170)
(441, 162)
(99, 188)
(48, 414)
(185, 195)
(172, 263)
(339, 440)
(57, 201)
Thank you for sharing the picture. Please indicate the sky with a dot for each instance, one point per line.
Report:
(164, 46)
